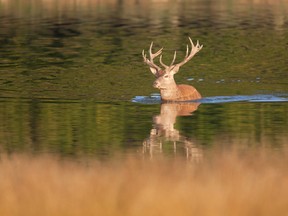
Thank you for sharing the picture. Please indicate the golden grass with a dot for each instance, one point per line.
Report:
(226, 183)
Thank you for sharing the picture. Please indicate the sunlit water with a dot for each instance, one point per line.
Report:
(71, 74)
(156, 98)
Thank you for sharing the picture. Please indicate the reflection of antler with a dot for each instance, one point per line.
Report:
(164, 131)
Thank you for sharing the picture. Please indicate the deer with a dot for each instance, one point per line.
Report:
(169, 90)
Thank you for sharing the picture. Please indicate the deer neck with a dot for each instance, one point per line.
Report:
(171, 93)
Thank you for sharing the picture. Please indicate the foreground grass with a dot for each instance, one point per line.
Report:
(229, 184)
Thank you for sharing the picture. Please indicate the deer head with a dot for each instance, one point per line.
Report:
(165, 77)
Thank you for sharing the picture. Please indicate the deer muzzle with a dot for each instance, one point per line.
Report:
(156, 84)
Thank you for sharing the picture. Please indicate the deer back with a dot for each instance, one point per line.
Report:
(188, 92)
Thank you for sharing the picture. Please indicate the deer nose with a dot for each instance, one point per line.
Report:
(156, 84)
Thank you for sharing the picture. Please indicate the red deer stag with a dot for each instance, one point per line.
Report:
(165, 82)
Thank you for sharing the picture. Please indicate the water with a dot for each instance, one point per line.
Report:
(156, 98)
(72, 72)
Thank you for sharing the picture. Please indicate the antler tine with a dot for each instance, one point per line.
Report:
(143, 54)
(174, 58)
(153, 55)
(193, 51)
(191, 42)
(161, 62)
(150, 61)
(187, 51)
(145, 57)
(157, 53)
(151, 45)
(150, 49)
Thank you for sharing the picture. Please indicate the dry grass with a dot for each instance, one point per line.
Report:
(229, 184)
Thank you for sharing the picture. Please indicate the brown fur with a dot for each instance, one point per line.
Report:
(180, 93)
(188, 92)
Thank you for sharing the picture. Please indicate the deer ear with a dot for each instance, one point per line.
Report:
(154, 71)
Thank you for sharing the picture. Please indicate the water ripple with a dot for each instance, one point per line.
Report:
(156, 99)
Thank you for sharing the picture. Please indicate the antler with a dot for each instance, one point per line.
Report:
(153, 67)
(194, 50)
(166, 66)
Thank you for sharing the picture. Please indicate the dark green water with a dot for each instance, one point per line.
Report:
(69, 71)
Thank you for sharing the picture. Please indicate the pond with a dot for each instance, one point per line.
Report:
(73, 82)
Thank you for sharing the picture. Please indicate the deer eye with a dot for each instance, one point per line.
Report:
(166, 76)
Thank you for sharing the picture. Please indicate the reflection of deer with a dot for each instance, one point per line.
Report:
(163, 130)
(169, 90)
